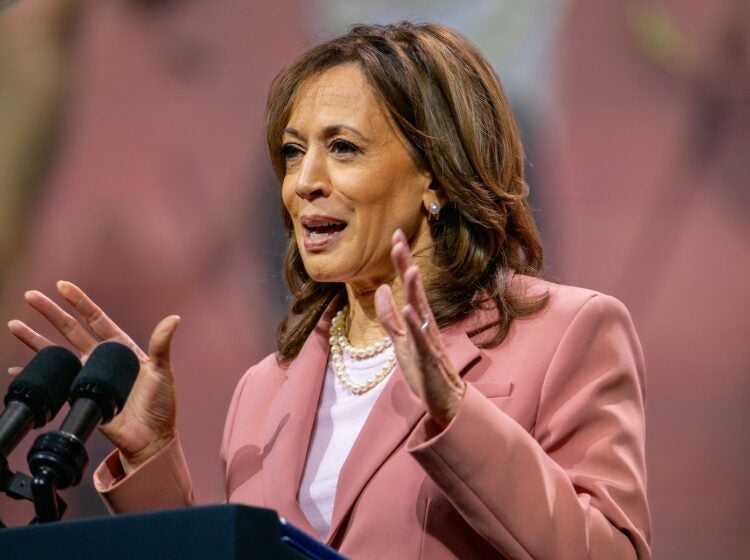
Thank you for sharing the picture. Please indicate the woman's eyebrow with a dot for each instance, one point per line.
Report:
(328, 131)
(292, 131)
(333, 129)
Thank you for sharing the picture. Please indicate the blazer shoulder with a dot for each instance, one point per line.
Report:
(566, 302)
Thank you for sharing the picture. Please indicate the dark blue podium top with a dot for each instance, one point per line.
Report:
(221, 532)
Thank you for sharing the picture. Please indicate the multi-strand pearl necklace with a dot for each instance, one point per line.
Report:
(340, 345)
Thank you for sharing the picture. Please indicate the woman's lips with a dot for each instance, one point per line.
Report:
(316, 240)
(321, 231)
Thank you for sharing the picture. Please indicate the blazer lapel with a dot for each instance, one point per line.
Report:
(390, 422)
(289, 426)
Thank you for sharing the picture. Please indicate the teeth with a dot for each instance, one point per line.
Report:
(316, 235)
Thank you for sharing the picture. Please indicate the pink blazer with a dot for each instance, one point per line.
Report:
(544, 460)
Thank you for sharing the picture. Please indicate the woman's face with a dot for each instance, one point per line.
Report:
(350, 181)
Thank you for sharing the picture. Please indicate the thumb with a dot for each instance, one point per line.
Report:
(161, 340)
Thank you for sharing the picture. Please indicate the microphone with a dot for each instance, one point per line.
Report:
(57, 459)
(36, 395)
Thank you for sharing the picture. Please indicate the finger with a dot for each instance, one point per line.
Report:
(393, 323)
(423, 342)
(28, 336)
(418, 300)
(399, 237)
(14, 371)
(66, 324)
(92, 314)
(388, 315)
(431, 351)
(400, 252)
(161, 341)
(401, 258)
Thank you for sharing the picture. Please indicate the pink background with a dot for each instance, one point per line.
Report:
(159, 199)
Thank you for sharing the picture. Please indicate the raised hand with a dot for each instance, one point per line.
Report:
(147, 421)
(416, 339)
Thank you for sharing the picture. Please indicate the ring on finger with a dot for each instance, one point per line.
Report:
(425, 324)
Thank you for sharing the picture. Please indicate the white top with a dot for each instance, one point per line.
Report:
(341, 415)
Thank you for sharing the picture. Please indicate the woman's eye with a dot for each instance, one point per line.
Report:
(291, 151)
(343, 147)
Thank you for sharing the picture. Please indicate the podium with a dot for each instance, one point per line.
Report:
(221, 532)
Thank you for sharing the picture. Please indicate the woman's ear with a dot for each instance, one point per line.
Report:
(433, 197)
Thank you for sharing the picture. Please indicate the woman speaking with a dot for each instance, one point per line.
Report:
(430, 396)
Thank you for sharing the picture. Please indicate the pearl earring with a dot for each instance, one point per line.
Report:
(434, 209)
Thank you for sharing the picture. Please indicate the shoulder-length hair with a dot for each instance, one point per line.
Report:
(448, 103)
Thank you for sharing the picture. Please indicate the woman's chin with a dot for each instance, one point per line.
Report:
(334, 269)
(324, 274)
(327, 266)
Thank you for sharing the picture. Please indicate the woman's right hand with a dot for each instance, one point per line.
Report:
(147, 421)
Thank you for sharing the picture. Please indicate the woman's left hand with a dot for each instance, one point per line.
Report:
(416, 339)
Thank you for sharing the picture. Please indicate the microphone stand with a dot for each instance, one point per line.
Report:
(46, 500)
(48, 506)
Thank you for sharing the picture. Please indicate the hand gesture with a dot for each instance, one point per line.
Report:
(147, 421)
(416, 339)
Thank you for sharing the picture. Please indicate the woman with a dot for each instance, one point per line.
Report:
(465, 407)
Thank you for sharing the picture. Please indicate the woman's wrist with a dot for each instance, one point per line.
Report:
(130, 462)
(446, 413)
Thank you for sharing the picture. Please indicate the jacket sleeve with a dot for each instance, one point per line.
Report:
(162, 482)
(575, 487)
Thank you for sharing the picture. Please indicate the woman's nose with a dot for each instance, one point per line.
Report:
(312, 181)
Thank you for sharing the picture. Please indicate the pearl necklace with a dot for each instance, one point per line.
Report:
(340, 345)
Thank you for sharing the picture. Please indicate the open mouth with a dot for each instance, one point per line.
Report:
(324, 230)
(321, 230)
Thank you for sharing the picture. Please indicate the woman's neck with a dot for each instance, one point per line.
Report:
(362, 321)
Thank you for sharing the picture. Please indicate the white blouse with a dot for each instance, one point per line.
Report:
(340, 417)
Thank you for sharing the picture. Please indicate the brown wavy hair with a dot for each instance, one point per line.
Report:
(448, 103)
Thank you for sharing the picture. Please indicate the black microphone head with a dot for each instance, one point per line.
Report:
(44, 383)
(108, 375)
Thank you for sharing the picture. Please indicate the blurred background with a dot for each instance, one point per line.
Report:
(132, 162)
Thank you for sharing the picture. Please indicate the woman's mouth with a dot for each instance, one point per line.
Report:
(320, 231)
